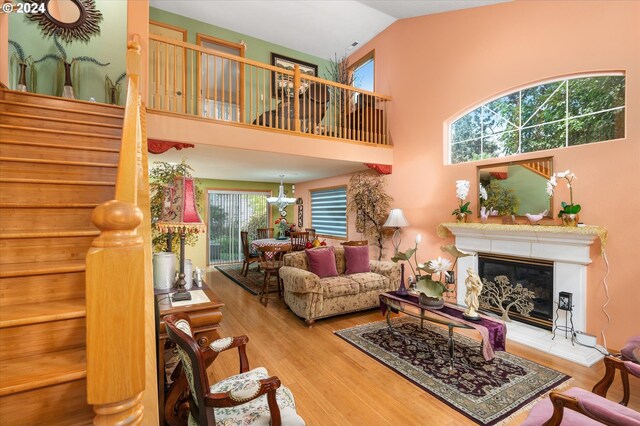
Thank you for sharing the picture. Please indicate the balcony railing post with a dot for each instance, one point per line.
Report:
(296, 98)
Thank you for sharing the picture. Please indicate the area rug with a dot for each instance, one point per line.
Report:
(252, 282)
(484, 391)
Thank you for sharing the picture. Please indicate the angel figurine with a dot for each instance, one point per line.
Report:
(474, 288)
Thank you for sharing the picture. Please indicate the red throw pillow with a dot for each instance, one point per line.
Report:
(322, 262)
(357, 258)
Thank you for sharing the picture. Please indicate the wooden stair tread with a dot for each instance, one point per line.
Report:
(52, 234)
(33, 372)
(41, 268)
(58, 162)
(59, 146)
(60, 120)
(78, 102)
(60, 132)
(48, 206)
(71, 110)
(58, 182)
(36, 313)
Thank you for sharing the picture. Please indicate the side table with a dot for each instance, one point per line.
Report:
(205, 321)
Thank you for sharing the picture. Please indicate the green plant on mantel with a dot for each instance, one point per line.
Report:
(162, 174)
(504, 200)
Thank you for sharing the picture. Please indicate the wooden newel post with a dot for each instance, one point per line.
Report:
(296, 98)
(115, 316)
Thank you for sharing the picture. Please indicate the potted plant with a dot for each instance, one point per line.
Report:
(21, 63)
(68, 68)
(504, 200)
(569, 212)
(462, 212)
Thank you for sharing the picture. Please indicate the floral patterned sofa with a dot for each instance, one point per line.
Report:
(311, 297)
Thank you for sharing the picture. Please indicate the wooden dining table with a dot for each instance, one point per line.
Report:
(262, 242)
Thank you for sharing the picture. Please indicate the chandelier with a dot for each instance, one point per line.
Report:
(281, 201)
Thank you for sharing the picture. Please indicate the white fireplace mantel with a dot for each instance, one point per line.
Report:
(567, 248)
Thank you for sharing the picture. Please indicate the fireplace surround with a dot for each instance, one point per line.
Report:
(568, 251)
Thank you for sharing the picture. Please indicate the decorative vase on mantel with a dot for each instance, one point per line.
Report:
(461, 217)
(570, 219)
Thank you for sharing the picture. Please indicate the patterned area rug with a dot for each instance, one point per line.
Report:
(252, 282)
(484, 391)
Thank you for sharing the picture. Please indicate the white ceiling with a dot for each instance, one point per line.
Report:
(317, 27)
(237, 164)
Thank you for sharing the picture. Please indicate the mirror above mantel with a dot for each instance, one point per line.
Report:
(517, 187)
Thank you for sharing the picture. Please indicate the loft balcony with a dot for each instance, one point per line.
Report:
(205, 96)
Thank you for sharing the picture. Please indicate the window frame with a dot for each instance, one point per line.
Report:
(371, 56)
(346, 214)
(564, 80)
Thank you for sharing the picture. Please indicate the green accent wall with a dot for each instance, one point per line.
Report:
(257, 50)
(530, 188)
(109, 46)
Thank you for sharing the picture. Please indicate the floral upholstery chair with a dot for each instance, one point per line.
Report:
(251, 397)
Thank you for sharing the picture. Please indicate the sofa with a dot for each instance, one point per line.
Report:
(311, 297)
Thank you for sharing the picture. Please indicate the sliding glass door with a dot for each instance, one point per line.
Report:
(229, 213)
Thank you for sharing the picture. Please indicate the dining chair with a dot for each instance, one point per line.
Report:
(251, 397)
(249, 256)
(299, 240)
(271, 260)
(312, 233)
(355, 243)
(264, 233)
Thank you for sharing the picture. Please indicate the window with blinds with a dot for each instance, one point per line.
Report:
(329, 211)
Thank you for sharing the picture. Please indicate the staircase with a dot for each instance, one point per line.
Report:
(58, 161)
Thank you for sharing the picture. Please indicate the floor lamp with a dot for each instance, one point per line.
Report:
(180, 215)
(396, 220)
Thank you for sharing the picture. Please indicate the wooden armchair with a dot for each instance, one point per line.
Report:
(249, 256)
(299, 240)
(249, 397)
(264, 233)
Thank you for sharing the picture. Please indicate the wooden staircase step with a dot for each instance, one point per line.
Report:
(33, 372)
(58, 137)
(41, 288)
(44, 249)
(35, 191)
(39, 220)
(60, 124)
(41, 268)
(37, 313)
(58, 152)
(50, 234)
(60, 103)
(65, 113)
(65, 404)
(56, 169)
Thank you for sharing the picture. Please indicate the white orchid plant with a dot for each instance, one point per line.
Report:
(424, 272)
(569, 208)
(462, 190)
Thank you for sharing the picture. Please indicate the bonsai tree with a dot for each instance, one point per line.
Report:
(162, 174)
(67, 68)
(504, 200)
(112, 89)
(367, 198)
(19, 64)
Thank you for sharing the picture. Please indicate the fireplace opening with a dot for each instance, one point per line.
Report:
(533, 274)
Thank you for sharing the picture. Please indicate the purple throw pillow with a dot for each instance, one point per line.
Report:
(322, 262)
(357, 258)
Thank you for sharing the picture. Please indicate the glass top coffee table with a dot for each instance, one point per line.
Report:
(409, 305)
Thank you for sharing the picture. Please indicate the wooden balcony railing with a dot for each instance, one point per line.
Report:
(192, 80)
(119, 295)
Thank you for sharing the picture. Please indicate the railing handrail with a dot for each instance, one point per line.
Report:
(261, 65)
(115, 281)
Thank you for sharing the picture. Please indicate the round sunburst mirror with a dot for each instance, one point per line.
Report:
(70, 19)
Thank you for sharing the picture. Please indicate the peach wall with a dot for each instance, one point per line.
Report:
(437, 66)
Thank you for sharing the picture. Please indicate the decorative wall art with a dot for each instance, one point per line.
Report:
(283, 83)
(71, 20)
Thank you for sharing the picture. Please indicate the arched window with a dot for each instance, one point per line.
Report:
(572, 111)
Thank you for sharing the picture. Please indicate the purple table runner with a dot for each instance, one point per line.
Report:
(493, 331)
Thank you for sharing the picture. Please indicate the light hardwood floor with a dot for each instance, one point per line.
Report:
(335, 383)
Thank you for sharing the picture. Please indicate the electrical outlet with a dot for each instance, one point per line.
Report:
(585, 339)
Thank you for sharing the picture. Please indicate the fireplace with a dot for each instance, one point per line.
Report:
(533, 274)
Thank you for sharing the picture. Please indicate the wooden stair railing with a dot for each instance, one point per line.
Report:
(118, 278)
(540, 167)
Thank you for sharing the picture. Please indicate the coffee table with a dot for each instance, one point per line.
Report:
(492, 339)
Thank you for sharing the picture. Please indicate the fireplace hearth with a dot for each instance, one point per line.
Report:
(532, 274)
